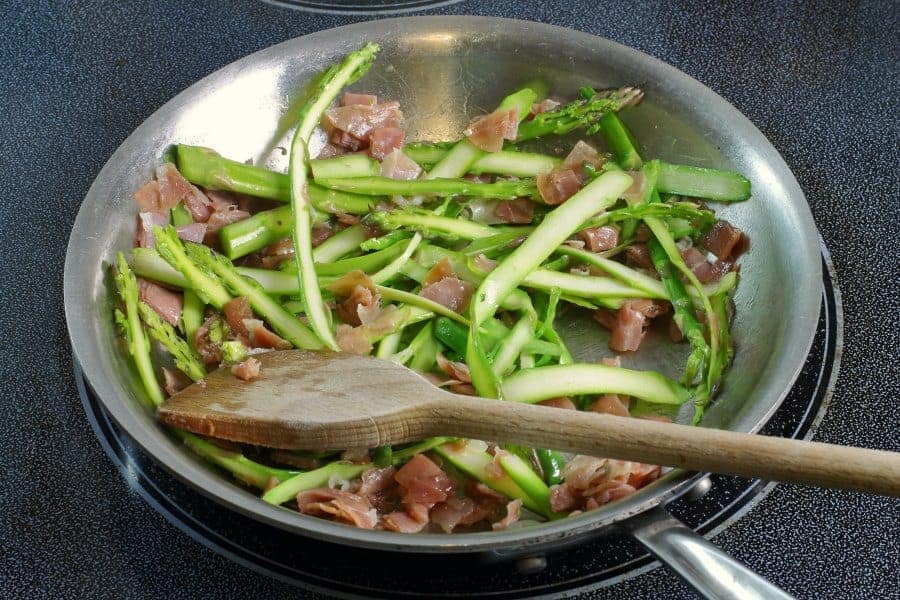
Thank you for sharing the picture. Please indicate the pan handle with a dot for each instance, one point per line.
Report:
(702, 565)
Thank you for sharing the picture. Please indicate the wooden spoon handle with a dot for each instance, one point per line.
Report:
(672, 445)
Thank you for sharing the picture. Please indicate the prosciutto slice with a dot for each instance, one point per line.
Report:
(519, 211)
(146, 221)
(247, 370)
(398, 165)
(359, 120)
(423, 482)
(600, 239)
(167, 304)
(723, 239)
(557, 186)
(488, 131)
(338, 505)
(384, 140)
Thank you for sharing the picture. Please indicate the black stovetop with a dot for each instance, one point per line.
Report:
(820, 81)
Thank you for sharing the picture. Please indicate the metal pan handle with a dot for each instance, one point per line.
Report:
(703, 566)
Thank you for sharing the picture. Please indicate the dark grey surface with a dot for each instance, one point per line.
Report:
(820, 82)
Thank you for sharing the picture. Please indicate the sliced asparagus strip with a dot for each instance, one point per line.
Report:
(699, 182)
(348, 165)
(576, 379)
(385, 186)
(354, 66)
(130, 324)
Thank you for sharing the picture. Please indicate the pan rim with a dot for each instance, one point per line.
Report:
(167, 452)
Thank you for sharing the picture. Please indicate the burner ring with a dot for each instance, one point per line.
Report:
(605, 560)
(362, 7)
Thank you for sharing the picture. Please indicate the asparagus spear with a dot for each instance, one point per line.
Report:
(185, 358)
(291, 487)
(699, 182)
(620, 141)
(583, 113)
(349, 165)
(204, 284)
(385, 186)
(429, 223)
(207, 168)
(474, 462)
(129, 322)
(256, 232)
(534, 385)
(504, 162)
(284, 323)
(339, 244)
(354, 66)
(683, 308)
(244, 469)
(191, 315)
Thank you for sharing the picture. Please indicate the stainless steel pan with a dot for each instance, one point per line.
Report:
(443, 70)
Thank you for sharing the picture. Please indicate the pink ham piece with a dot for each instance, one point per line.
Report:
(354, 99)
(456, 511)
(600, 239)
(148, 198)
(384, 140)
(519, 211)
(275, 254)
(488, 131)
(561, 402)
(338, 505)
(262, 337)
(320, 233)
(610, 404)
(398, 165)
(580, 154)
(247, 370)
(360, 120)
(347, 142)
(174, 381)
(219, 219)
(237, 312)
(441, 285)
(543, 106)
(403, 522)
(628, 330)
(379, 488)
(563, 498)
(451, 292)
(146, 221)
(637, 255)
(484, 263)
(167, 304)
(423, 482)
(352, 339)
(193, 232)
(513, 511)
(360, 304)
(723, 239)
(557, 186)
(457, 370)
(361, 301)
(174, 188)
(705, 271)
(638, 188)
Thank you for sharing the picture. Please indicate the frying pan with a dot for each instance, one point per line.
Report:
(444, 70)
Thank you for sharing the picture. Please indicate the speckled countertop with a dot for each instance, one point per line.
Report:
(820, 81)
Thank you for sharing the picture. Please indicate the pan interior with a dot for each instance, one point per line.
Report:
(444, 71)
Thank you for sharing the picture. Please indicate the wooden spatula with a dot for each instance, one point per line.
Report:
(322, 401)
